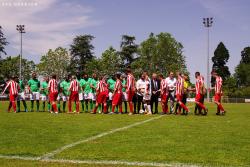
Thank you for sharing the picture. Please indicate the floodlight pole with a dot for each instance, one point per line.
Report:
(208, 23)
(20, 29)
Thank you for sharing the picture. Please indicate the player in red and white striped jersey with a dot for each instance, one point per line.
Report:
(74, 94)
(101, 94)
(53, 92)
(130, 89)
(200, 91)
(117, 94)
(218, 93)
(14, 88)
(164, 94)
(180, 91)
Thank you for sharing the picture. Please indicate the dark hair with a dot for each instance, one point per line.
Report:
(118, 75)
(160, 75)
(197, 73)
(128, 70)
(53, 76)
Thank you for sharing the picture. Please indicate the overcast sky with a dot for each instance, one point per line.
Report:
(53, 23)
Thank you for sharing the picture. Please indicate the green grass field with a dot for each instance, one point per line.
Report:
(163, 140)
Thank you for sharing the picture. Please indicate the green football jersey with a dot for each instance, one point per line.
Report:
(82, 84)
(94, 84)
(124, 82)
(87, 88)
(44, 90)
(64, 85)
(34, 85)
(21, 85)
(111, 84)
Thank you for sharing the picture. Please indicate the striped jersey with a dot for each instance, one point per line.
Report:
(74, 86)
(164, 87)
(13, 87)
(179, 85)
(118, 86)
(102, 86)
(218, 85)
(52, 86)
(199, 84)
(130, 82)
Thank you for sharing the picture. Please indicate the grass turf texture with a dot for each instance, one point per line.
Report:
(211, 140)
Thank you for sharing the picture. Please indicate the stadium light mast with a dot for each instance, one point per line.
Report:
(20, 29)
(208, 23)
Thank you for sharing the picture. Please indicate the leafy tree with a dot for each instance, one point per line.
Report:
(54, 61)
(111, 61)
(3, 42)
(243, 69)
(128, 49)
(10, 66)
(220, 58)
(160, 53)
(94, 66)
(81, 52)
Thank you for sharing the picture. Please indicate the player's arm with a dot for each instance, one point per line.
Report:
(8, 84)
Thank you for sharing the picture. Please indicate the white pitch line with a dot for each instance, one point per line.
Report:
(113, 162)
(98, 162)
(59, 150)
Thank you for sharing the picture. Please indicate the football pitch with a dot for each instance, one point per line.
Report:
(43, 139)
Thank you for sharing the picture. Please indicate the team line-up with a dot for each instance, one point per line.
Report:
(105, 94)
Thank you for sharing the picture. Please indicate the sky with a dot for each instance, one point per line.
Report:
(53, 23)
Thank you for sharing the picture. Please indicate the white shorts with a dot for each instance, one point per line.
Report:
(93, 96)
(44, 98)
(147, 97)
(110, 95)
(124, 96)
(63, 97)
(81, 96)
(21, 96)
(87, 96)
(35, 96)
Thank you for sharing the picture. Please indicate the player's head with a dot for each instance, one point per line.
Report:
(160, 76)
(85, 76)
(33, 75)
(185, 77)
(143, 76)
(128, 71)
(171, 74)
(94, 75)
(214, 73)
(46, 78)
(178, 73)
(154, 76)
(118, 75)
(73, 77)
(53, 76)
(15, 78)
(197, 74)
(123, 76)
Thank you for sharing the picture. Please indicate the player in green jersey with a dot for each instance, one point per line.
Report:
(64, 87)
(124, 82)
(44, 93)
(93, 85)
(83, 83)
(87, 94)
(34, 87)
(21, 96)
(111, 85)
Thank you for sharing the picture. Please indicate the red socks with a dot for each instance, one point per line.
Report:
(220, 107)
(54, 107)
(201, 105)
(183, 106)
(131, 107)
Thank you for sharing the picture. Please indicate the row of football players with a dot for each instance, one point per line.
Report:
(93, 92)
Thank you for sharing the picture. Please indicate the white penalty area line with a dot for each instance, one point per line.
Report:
(98, 162)
(61, 149)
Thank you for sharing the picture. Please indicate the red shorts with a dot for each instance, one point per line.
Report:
(13, 97)
(101, 97)
(74, 96)
(130, 95)
(179, 97)
(53, 96)
(117, 99)
(198, 97)
(164, 98)
(217, 97)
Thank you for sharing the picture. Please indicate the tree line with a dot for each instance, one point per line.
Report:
(158, 53)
